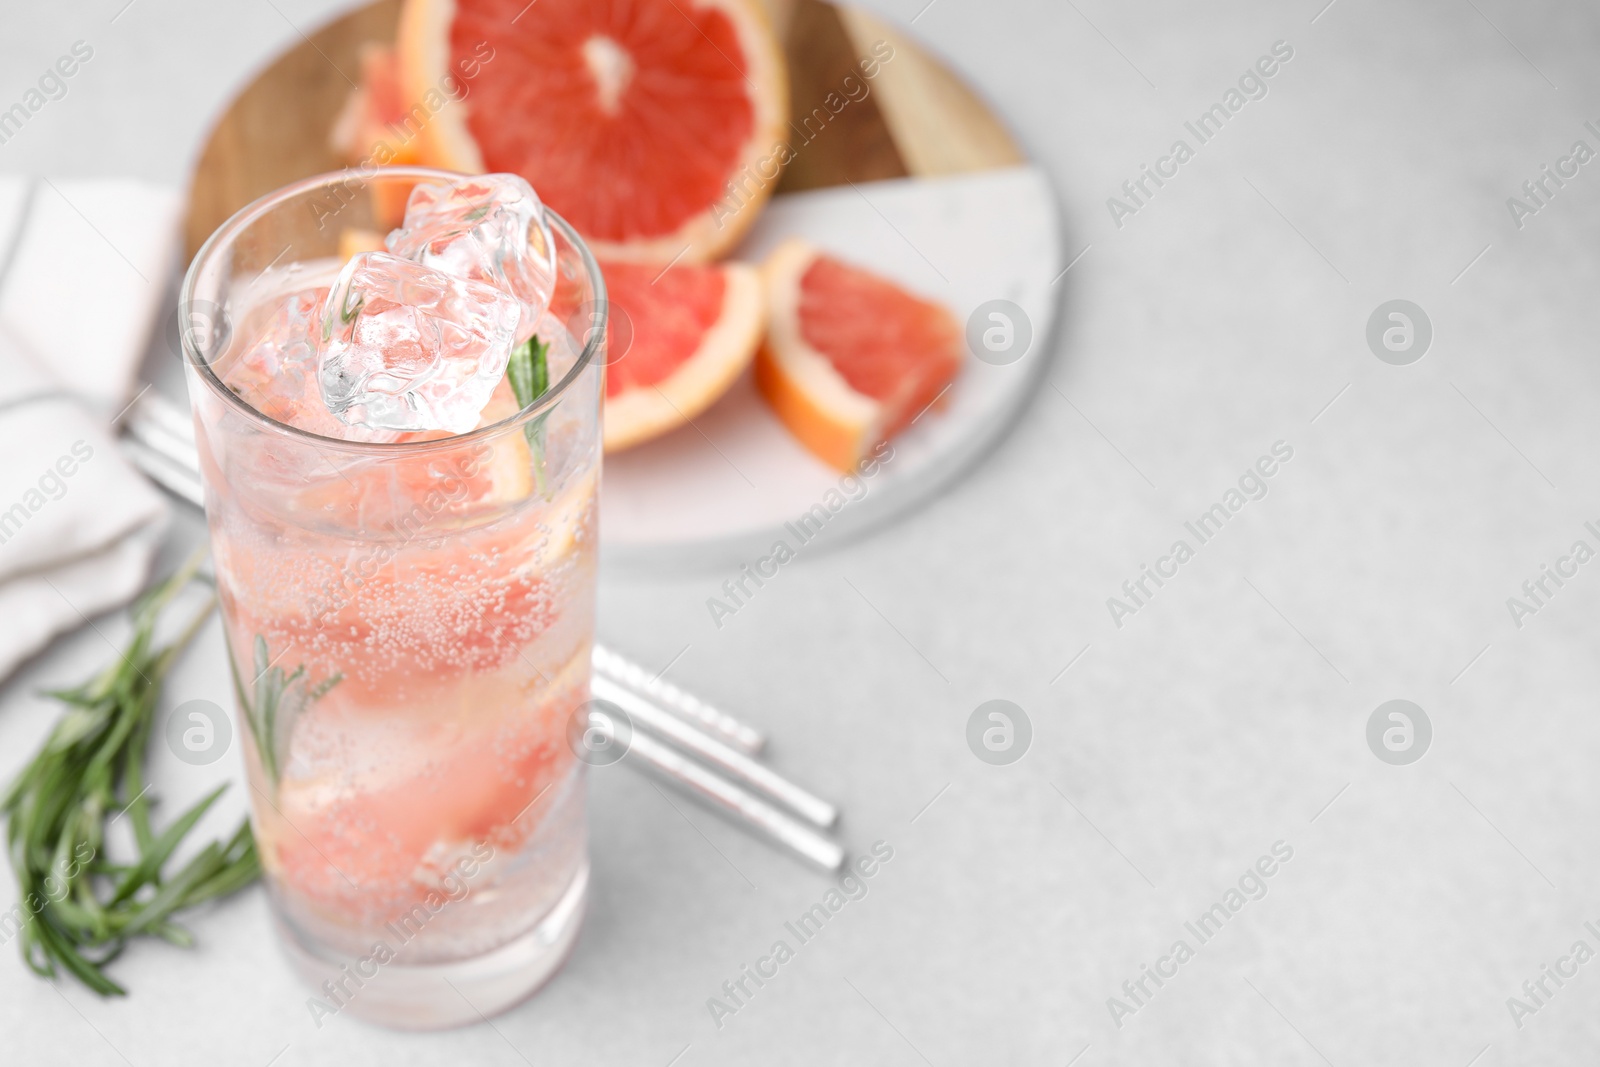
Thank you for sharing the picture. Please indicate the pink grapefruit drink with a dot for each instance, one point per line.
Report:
(410, 617)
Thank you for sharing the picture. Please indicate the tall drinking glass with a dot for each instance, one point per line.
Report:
(409, 619)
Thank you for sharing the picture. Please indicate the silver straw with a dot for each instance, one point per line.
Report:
(724, 794)
(621, 669)
(756, 775)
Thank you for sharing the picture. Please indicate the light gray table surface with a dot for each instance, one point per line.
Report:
(1228, 714)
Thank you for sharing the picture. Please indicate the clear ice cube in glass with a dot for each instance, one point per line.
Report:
(490, 228)
(407, 347)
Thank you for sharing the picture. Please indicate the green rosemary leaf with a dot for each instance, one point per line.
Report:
(166, 900)
(99, 920)
(75, 726)
(243, 867)
(529, 374)
(519, 372)
(246, 705)
(57, 949)
(278, 701)
(174, 934)
(161, 849)
(320, 690)
(138, 808)
(263, 711)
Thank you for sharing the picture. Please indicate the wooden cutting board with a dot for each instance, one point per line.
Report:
(920, 119)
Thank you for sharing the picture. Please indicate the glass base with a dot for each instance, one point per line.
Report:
(438, 996)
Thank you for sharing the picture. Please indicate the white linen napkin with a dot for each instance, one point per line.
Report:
(83, 267)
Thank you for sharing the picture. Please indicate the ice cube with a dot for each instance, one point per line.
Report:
(274, 343)
(408, 347)
(489, 228)
(275, 370)
(272, 364)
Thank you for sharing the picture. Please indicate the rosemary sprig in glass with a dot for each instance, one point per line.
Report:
(78, 908)
(529, 374)
(279, 699)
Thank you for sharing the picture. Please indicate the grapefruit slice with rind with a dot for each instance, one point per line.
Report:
(653, 126)
(376, 129)
(695, 329)
(384, 495)
(359, 844)
(850, 358)
(373, 113)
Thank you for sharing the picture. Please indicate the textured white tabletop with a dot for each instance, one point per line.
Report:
(1228, 714)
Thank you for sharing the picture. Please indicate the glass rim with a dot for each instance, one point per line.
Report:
(224, 235)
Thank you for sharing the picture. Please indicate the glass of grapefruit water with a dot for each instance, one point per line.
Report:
(409, 617)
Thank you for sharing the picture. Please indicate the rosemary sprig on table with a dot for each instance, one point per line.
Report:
(529, 374)
(78, 908)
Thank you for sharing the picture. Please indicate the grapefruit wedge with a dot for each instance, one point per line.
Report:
(695, 329)
(652, 126)
(850, 358)
(374, 129)
(374, 113)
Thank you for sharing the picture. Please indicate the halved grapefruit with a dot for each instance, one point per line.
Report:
(695, 329)
(850, 358)
(652, 126)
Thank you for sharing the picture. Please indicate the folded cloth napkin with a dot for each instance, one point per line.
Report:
(83, 267)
